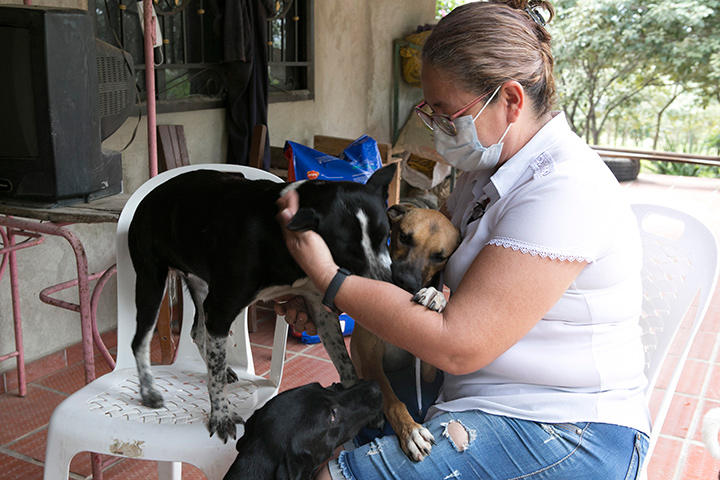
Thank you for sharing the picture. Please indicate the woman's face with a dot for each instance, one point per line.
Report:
(444, 97)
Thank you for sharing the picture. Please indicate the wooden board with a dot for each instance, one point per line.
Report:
(103, 210)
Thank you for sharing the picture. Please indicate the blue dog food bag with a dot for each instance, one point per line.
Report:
(356, 163)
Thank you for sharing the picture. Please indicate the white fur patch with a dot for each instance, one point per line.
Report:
(291, 186)
(378, 263)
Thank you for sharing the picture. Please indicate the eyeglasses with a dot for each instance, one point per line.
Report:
(444, 122)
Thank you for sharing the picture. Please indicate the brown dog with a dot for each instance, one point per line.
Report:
(421, 241)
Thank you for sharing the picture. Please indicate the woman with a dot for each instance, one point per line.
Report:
(539, 342)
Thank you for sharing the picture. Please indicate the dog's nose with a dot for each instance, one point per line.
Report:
(406, 277)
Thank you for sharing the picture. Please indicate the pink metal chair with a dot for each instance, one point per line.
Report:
(8, 251)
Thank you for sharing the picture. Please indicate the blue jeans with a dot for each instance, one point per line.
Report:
(504, 448)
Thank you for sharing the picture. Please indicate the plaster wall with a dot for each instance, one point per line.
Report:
(353, 72)
(353, 96)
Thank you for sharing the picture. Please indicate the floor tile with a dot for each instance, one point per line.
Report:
(699, 465)
(692, 377)
(302, 370)
(32, 445)
(20, 416)
(679, 416)
(711, 322)
(37, 369)
(703, 346)
(713, 390)
(664, 459)
(13, 468)
(71, 379)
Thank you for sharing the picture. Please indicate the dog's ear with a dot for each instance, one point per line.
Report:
(305, 219)
(398, 211)
(381, 179)
(249, 429)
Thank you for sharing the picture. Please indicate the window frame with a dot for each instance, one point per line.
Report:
(201, 101)
(309, 92)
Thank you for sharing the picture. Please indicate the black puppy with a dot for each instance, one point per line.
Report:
(220, 232)
(295, 432)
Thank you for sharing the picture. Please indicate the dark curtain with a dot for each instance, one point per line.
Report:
(244, 31)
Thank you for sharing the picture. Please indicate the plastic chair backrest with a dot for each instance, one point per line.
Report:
(187, 351)
(680, 265)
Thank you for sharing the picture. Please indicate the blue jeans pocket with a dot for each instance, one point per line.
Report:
(638, 456)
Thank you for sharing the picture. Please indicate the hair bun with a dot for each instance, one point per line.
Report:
(534, 8)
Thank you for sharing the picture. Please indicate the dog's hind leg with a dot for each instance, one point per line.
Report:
(198, 289)
(149, 290)
(198, 292)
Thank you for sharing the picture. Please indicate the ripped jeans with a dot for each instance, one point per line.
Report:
(476, 445)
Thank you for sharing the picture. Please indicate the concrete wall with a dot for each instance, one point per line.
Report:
(353, 96)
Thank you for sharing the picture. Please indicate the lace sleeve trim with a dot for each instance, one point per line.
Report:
(537, 250)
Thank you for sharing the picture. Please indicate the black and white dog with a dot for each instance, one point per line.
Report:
(298, 430)
(219, 230)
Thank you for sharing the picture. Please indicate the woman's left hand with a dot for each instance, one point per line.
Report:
(307, 247)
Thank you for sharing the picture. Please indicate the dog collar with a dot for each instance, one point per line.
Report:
(329, 298)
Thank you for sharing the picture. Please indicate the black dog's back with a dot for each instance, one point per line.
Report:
(299, 429)
(181, 228)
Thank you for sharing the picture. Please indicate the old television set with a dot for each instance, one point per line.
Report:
(62, 92)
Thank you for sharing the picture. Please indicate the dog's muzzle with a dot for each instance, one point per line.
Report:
(407, 276)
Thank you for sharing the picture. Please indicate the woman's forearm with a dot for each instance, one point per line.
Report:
(389, 312)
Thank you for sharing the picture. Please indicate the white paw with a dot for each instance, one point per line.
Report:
(431, 298)
(419, 444)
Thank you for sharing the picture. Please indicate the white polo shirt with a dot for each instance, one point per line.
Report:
(584, 361)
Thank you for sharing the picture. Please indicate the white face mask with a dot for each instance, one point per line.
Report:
(464, 151)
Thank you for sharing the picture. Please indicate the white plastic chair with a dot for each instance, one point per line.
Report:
(107, 417)
(680, 259)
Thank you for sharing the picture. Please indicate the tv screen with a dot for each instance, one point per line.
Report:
(16, 96)
(50, 133)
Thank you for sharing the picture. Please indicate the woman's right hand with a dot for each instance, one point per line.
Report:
(296, 313)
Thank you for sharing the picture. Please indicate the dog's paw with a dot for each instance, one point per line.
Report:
(231, 376)
(223, 424)
(431, 298)
(377, 423)
(418, 444)
(151, 398)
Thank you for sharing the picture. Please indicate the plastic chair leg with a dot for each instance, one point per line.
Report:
(57, 462)
(169, 470)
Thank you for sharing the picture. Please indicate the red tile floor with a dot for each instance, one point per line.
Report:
(679, 455)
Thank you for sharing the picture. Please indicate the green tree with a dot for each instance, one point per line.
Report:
(609, 52)
(443, 7)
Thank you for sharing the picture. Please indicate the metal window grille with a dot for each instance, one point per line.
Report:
(290, 47)
(191, 74)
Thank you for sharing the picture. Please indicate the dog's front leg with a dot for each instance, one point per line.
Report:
(368, 351)
(328, 328)
(222, 418)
